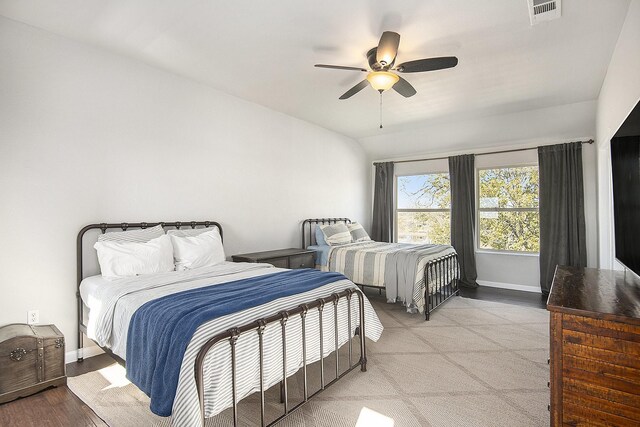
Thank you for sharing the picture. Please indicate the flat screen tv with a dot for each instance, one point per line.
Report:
(625, 163)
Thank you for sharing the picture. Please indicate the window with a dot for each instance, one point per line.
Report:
(423, 209)
(508, 217)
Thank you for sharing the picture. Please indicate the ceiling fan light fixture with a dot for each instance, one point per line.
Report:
(382, 80)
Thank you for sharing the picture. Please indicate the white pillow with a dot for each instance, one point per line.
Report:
(358, 234)
(123, 259)
(202, 250)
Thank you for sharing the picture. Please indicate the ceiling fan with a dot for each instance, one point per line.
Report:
(383, 74)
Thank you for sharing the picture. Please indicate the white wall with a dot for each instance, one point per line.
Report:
(87, 136)
(515, 271)
(619, 94)
(541, 126)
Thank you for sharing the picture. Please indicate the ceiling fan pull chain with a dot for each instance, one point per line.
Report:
(380, 109)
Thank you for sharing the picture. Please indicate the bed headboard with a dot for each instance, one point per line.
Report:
(309, 228)
(87, 259)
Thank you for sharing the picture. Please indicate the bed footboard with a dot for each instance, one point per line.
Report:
(441, 277)
(232, 335)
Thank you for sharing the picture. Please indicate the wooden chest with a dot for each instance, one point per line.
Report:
(31, 359)
(595, 348)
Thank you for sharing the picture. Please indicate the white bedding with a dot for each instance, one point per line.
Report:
(112, 303)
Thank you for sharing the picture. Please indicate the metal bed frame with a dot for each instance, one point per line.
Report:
(259, 325)
(123, 226)
(444, 271)
(232, 334)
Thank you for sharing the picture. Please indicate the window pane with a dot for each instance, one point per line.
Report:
(509, 187)
(429, 191)
(424, 227)
(510, 231)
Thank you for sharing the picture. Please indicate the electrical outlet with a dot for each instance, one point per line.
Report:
(33, 317)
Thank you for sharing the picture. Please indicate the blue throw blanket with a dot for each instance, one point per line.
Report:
(161, 329)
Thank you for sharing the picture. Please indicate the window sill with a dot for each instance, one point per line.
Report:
(525, 254)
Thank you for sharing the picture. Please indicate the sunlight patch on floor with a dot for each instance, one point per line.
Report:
(371, 418)
(116, 375)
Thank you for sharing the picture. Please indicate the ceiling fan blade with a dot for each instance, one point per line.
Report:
(404, 88)
(387, 48)
(357, 88)
(341, 67)
(428, 64)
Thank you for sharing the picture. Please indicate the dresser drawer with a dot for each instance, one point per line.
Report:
(301, 261)
(277, 262)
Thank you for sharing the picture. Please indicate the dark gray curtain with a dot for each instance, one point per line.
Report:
(562, 226)
(382, 227)
(463, 215)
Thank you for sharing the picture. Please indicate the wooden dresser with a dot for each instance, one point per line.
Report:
(595, 348)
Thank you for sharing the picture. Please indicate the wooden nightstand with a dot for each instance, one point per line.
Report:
(284, 258)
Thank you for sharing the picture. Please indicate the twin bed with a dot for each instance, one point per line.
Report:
(422, 277)
(199, 340)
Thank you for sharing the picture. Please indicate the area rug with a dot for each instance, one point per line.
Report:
(475, 363)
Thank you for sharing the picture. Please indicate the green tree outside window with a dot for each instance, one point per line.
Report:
(508, 209)
(508, 218)
(424, 209)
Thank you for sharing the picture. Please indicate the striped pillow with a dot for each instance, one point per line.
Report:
(358, 234)
(191, 232)
(142, 235)
(336, 234)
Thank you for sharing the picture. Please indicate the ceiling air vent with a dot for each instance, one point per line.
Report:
(543, 10)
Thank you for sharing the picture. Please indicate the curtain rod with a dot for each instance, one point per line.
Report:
(480, 154)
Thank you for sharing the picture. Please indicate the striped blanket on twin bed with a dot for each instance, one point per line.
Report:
(397, 267)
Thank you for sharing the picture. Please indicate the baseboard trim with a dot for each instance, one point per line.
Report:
(87, 352)
(511, 286)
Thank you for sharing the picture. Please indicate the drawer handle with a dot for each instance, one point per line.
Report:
(17, 354)
(59, 342)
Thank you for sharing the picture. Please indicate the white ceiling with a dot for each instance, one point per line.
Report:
(264, 51)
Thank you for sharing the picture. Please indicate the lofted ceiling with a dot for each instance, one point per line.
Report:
(265, 51)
